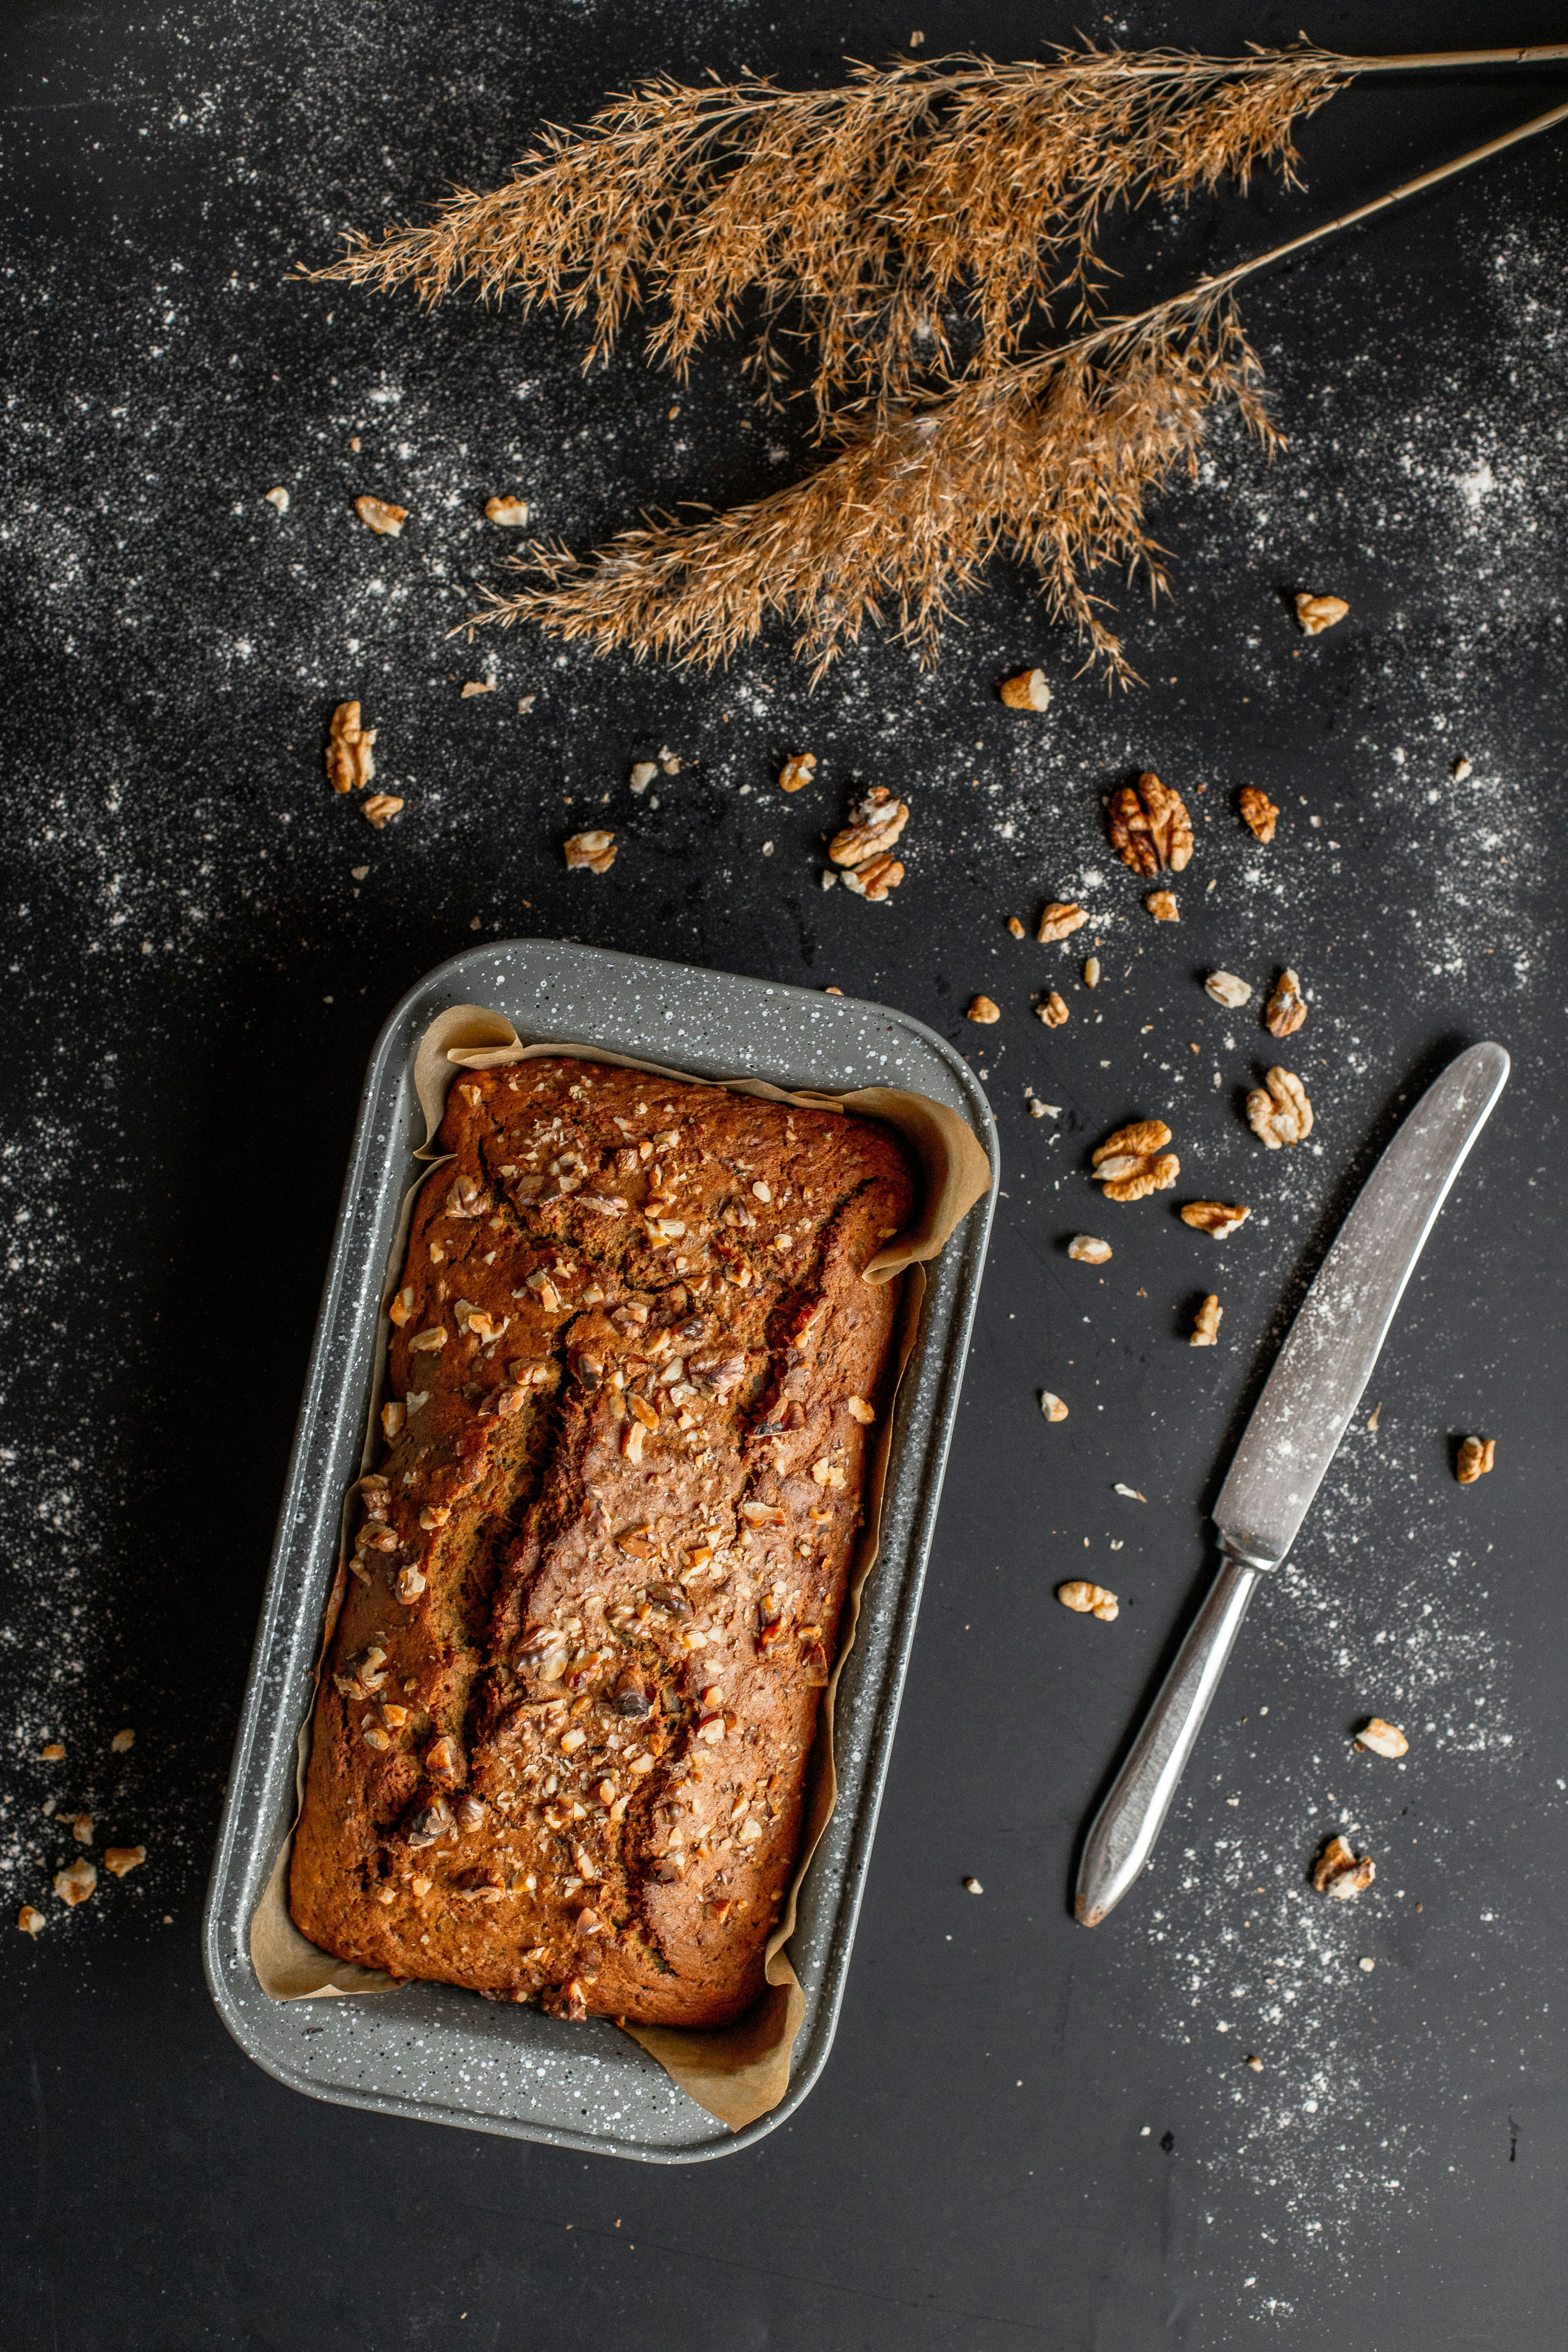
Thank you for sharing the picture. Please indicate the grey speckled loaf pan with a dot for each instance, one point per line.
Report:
(431, 2049)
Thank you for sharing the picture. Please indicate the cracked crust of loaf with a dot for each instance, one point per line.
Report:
(561, 1742)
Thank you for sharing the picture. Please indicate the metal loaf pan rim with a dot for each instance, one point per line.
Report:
(597, 992)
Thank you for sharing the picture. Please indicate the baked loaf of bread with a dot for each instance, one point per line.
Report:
(560, 1741)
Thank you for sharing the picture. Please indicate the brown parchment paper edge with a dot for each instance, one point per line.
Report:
(739, 2072)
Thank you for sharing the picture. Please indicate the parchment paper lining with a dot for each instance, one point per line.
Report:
(738, 2072)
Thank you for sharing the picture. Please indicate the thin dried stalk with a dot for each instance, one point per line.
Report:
(856, 216)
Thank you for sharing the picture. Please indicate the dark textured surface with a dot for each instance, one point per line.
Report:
(1025, 2134)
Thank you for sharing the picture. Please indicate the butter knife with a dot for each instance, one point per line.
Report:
(1292, 1438)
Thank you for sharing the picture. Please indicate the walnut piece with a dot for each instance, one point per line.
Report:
(1053, 1012)
(121, 1858)
(1087, 1250)
(1062, 917)
(75, 1885)
(31, 1922)
(379, 807)
(595, 851)
(1477, 1456)
(350, 762)
(477, 686)
(798, 772)
(1163, 907)
(643, 775)
(278, 498)
(1092, 971)
(1259, 813)
(1383, 1739)
(1150, 827)
(1088, 1599)
(1205, 1330)
(381, 516)
(1281, 1114)
(1015, 927)
(1225, 989)
(1339, 1873)
(1214, 1217)
(510, 513)
(1287, 1008)
(1027, 691)
(1317, 613)
(982, 1009)
(874, 823)
(1134, 1160)
(1052, 1406)
(873, 879)
(1461, 768)
(122, 1742)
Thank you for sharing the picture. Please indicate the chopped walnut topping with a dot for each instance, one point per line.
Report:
(861, 1412)
(121, 1858)
(1317, 613)
(1088, 1250)
(1225, 989)
(1150, 827)
(379, 808)
(381, 516)
(1281, 1114)
(75, 1885)
(875, 821)
(1477, 1456)
(874, 879)
(1287, 1008)
(1162, 906)
(1053, 1012)
(510, 513)
(1089, 1600)
(431, 1341)
(1205, 1330)
(1061, 917)
(1258, 813)
(1092, 971)
(1027, 691)
(1383, 1739)
(982, 1009)
(798, 772)
(594, 850)
(1052, 1406)
(1134, 1161)
(410, 1584)
(31, 1922)
(1214, 1217)
(1339, 1873)
(351, 760)
(393, 1417)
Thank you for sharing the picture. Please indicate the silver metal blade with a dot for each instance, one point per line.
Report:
(1327, 1359)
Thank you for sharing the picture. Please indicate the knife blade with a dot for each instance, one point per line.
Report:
(1292, 1436)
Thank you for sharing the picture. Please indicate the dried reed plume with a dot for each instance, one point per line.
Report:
(854, 217)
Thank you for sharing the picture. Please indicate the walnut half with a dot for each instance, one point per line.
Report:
(1259, 813)
(1061, 917)
(351, 760)
(1134, 1160)
(1088, 1599)
(1278, 1111)
(1150, 827)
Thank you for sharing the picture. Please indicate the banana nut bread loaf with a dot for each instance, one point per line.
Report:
(561, 1743)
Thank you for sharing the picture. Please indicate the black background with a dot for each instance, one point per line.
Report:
(1025, 2134)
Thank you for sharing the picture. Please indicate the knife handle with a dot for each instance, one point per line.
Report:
(1122, 1836)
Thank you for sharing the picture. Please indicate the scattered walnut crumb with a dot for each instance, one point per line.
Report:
(510, 513)
(1130, 1492)
(798, 771)
(1259, 813)
(982, 1009)
(1150, 827)
(1053, 1010)
(831, 991)
(121, 1858)
(351, 759)
(1287, 1008)
(525, 703)
(1226, 990)
(1317, 613)
(477, 686)
(1092, 971)
(1214, 1217)
(1061, 917)
(1027, 691)
(75, 1885)
(1163, 907)
(79, 1824)
(278, 498)
(1278, 1111)
(31, 1922)
(973, 1887)
(1462, 768)
(643, 775)
(358, 872)
(1375, 1416)
(1052, 1406)
(53, 1751)
(1255, 2064)
(1089, 1600)
(594, 850)
(379, 808)
(381, 516)
(1477, 1456)
(1016, 927)
(1205, 1330)
(1134, 1161)
(1088, 1251)
(1339, 1874)
(669, 760)
(1383, 1739)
